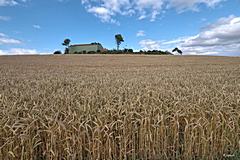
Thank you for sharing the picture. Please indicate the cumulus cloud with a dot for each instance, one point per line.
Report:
(183, 5)
(10, 2)
(221, 37)
(149, 44)
(21, 51)
(103, 13)
(7, 2)
(4, 39)
(108, 10)
(36, 26)
(225, 31)
(140, 33)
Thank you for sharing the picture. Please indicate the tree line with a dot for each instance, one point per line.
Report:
(119, 39)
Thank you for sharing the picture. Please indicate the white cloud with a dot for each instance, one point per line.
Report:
(183, 5)
(144, 5)
(7, 2)
(108, 10)
(21, 51)
(140, 33)
(4, 39)
(149, 44)
(4, 18)
(103, 13)
(221, 37)
(10, 2)
(143, 16)
(36, 26)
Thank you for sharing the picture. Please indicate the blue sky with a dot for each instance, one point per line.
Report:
(195, 26)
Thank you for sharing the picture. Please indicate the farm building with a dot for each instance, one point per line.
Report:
(85, 48)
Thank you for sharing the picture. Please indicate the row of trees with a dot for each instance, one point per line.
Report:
(124, 51)
(119, 39)
(130, 51)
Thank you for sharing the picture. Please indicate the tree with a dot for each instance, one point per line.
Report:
(66, 43)
(177, 50)
(125, 50)
(57, 52)
(130, 50)
(119, 40)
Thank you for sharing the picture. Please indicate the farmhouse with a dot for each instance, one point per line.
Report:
(85, 48)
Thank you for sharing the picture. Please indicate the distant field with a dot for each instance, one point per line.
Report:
(119, 107)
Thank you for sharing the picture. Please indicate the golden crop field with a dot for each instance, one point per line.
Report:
(119, 107)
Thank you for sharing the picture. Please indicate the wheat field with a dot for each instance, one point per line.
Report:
(119, 107)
